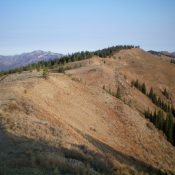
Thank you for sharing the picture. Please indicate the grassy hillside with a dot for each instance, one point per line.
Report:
(72, 122)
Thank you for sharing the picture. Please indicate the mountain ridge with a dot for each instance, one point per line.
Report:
(79, 108)
(15, 61)
(165, 53)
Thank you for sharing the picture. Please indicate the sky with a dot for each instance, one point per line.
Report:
(67, 26)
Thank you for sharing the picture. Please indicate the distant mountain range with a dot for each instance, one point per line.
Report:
(166, 53)
(173, 53)
(15, 61)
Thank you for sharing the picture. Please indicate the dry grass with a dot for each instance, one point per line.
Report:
(58, 110)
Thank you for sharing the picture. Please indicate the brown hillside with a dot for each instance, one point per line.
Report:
(73, 109)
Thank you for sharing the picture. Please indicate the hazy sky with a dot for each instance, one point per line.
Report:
(73, 25)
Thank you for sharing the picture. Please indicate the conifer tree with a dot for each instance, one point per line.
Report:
(143, 88)
(151, 93)
(137, 84)
(118, 94)
(174, 134)
(169, 127)
(160, 120)
(45, 73)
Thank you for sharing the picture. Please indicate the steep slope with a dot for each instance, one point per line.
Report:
(73, 109)
(126, 66)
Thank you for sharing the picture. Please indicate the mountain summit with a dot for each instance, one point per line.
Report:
(14, 61)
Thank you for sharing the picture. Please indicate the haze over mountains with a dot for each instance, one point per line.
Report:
(15, 61)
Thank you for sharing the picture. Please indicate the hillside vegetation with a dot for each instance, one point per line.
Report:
(82, 115)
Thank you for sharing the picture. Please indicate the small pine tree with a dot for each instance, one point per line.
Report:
(137, 84)
(143, 88)
(159, 102)
(173, 110)
(45, 73)
(169, 127)
(151, 93)
(174, 135)
(38, 68)
(61, 69)
(154, 98)
(159, 121)
(118, 94)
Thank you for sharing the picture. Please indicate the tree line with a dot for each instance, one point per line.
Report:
(164, 119)
(163, 123)
(139, 86)
(160, 103)
(154, 97)
(116, 94)
(103, 53)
